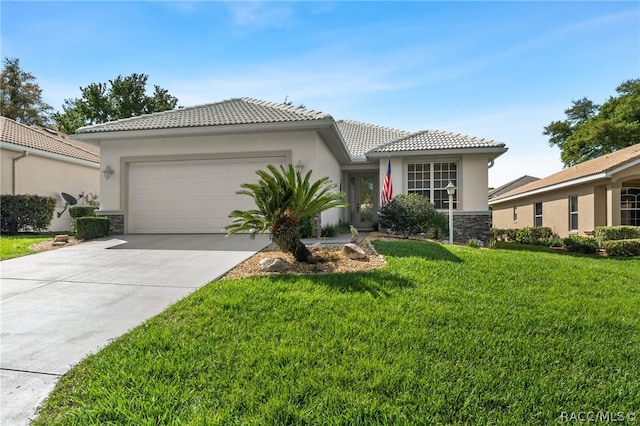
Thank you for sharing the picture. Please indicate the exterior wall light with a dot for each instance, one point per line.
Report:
(299, 166)
(107, 172)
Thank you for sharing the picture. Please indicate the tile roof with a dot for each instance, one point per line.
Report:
(510, 186)
(435, 140)
(43, 139)
(603, 164)
(362, 137)
(227, 112)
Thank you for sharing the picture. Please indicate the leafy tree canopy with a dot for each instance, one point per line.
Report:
(122, 97)
(21, 97)
(592, 130)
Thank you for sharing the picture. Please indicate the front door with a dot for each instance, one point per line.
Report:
(365, 202)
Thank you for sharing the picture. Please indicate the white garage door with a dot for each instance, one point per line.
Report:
(194, 196)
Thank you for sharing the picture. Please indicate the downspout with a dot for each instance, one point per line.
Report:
(13, 171)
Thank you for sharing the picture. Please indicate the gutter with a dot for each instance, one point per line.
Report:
(47, 154)
(13, 170)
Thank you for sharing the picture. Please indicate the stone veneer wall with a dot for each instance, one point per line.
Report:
(468, 225)
(116, 223)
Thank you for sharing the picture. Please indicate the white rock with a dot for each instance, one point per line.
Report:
(353, 251)
(273, 265)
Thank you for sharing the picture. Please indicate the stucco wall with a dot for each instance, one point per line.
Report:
(598, 205)
(306, 147)
(555, 211)
(49, 177)
(473, 178)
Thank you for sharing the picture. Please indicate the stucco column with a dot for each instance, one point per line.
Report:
(613, 204)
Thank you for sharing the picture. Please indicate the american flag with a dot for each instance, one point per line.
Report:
(387, 187)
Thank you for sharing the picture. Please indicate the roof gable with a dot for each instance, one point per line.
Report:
(429, 140)
(592, 168)
(228, 112)
(12, 132)
(510, 186)
(362, 137)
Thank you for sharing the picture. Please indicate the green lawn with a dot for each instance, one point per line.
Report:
(442, 335)
(15, 246)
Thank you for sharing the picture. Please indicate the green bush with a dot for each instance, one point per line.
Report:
(579, 244)
(438, 226)
(608, 233)
(82, 211)
(629, 247)
(33, 212)
(91, 227)
(308, 227)
(407, 214)
(329, 231)
(534, 235)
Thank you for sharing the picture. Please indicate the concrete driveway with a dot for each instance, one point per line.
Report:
(59, 306)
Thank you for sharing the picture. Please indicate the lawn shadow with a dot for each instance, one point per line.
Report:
(412, 248)
(378, 282)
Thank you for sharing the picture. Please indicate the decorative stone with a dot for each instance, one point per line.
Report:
(353, 251)
(61, 239)
(273, 265)
(59, 243)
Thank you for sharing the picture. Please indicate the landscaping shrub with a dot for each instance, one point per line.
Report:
(407, 214)
(608, 233)
(534, 235)
(18, 212)
(82, 211)
(439, 226)
(579, 244)
(91, 227)
(329, 231)
(629, 247)
(308, 227)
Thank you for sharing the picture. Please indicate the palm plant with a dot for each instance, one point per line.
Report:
(283, 199)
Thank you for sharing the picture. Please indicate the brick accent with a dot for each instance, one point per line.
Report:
(468, 225)
(116, 222)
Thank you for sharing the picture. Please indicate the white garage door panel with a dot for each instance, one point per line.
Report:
(190, 196)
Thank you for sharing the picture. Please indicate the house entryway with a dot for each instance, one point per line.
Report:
(364, 200)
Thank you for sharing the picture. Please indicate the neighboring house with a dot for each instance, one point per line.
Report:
(178, 171)
(40, 161)
(601, 192)
(510, 186)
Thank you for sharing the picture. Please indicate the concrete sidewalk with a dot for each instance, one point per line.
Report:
(57, 307)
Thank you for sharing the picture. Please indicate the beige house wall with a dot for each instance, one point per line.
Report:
(39, 175)
(473, 178)
(598, 205)
(304, 146)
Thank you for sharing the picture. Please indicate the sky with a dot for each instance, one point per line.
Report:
(498, 70)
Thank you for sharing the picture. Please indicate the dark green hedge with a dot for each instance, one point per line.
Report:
(82, 211)
(18, 212)
(579, 244)
(91, 227)
(629, 247)
(609, 233)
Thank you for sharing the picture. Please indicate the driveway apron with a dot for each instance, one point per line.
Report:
(59, 306)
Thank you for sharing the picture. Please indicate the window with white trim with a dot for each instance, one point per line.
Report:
(537, 214)
(630, 206)
(573, 213)
(430, 179)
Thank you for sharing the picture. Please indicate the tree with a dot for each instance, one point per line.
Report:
(21, 98)
(591, 130)
(283, 198)
(122, 97)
